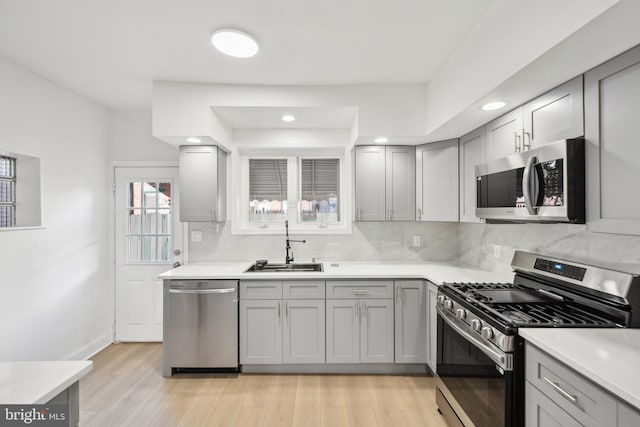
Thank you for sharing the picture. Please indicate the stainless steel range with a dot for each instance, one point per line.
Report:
(480, 360)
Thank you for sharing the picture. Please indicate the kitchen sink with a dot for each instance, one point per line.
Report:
(266, 268)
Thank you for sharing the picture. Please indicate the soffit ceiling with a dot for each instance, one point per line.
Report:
(112, 51)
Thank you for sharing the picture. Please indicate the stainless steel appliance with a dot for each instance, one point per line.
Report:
(200, 326)
(543, 184)
(480, 357)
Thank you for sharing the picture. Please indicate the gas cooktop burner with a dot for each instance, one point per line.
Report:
(520, 306)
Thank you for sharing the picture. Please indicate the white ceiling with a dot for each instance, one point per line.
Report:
(271, 117)
(111, 50)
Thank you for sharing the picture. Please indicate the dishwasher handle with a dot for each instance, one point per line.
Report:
(202, 291)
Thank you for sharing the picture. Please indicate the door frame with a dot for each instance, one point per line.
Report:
(111, 207)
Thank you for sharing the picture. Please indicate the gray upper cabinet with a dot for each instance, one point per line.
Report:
(472, 153)
(504, 135)
(437, 181)
(556, 115)
(370, 183)
(385, 183)
(612, 108)
(400, 183)
(203, 183)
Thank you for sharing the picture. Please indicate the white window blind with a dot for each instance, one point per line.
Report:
(7, 191)
(319, 190)
(267, 190)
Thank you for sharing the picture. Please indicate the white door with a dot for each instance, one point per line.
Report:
(148, 241)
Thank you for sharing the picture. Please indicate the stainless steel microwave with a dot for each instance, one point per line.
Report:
(544, 184)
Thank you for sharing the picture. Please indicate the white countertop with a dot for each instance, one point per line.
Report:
(434, 272)
(28, 383)
(608, 357)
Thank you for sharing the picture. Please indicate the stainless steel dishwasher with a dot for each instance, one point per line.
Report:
(200, 330)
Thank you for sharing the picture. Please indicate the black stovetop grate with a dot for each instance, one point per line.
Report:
(547, 314)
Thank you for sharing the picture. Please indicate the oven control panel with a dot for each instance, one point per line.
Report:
(561, 269)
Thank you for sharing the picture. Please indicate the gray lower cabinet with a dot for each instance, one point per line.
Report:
(203, 183)
(360, 331)
(556, 395)
(410, 322)
(431, 326)
(276, 326)
(385, 183)
(612, 108)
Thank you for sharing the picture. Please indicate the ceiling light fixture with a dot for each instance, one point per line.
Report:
(234, 43)
(493, 106)
(288, 118)
(194, 140)
(381, 140)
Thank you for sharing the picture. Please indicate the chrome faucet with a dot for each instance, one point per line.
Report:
(289, 259)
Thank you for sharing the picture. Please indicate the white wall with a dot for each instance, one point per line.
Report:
(130, 138)
(56, 301)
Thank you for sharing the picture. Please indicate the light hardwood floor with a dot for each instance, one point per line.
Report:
(126, 388)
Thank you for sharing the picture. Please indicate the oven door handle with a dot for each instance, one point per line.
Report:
(505, 361)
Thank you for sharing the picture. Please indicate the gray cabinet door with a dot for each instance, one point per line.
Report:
(410, 322)
(627, 417)
(504, 135)
(202, 183)
(370, 183)
(400, 183)
(472, 153)
(612, 108)
(556, 115)
(376, 331)
(343, 331)
(437, 181)
(260, 332)
(303, 331)
(432, 326)
(540, 411)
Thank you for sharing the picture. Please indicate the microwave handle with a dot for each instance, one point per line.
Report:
(529, 177)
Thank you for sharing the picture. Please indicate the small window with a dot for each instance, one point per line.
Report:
(148, 218)
(319, 191)
(7, 191)
(268, 200)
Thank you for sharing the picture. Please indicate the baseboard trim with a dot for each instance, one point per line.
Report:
(330, 368)
(87, 351)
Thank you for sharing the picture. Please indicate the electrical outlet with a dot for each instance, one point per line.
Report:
(496, 251)
(196, 236)
(417, 241)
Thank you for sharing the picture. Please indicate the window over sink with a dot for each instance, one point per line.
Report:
(306, 190)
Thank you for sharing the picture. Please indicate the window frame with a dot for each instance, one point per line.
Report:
(12, 178)
(241, 224)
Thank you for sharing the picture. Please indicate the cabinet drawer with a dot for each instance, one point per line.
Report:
(299, 289)
(360, 289)
(583, 400)
(261, 289)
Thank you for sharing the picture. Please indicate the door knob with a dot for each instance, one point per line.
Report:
(177, 252)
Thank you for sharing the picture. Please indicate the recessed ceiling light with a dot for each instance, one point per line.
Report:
(288, 118)
(234, 43)
(381, 140)
(194, 140)
(493, 106)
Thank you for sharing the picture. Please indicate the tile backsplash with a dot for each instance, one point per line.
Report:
(486, 246)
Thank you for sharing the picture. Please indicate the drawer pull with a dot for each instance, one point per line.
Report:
(556, 387)
(360, 291)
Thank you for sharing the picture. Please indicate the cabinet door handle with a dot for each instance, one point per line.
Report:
(364, 310)
(286, 309)
(356, 310)
(527, 135)
(213, 215)
(419, 214)
(517, 141)
(563, 393)
(279, 309)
